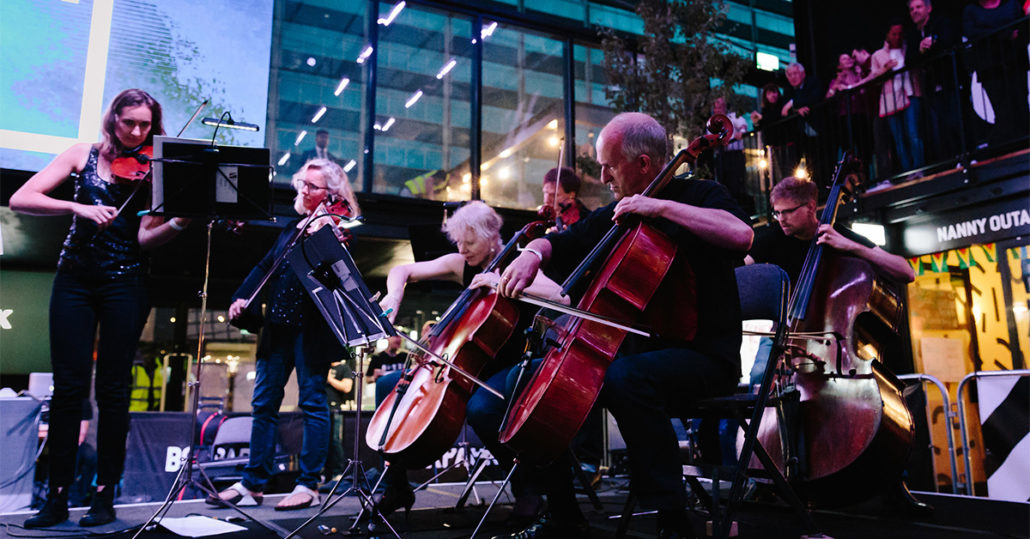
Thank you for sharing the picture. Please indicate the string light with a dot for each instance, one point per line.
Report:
(413, 99)
(446, 68)
(318, 115)
(393, 14)
(343, 84)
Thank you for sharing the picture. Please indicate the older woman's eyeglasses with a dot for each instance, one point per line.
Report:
(308, 186)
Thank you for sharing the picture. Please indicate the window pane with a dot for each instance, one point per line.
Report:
(317, 85)
(522, 115)
(423, 115)
(592, 113)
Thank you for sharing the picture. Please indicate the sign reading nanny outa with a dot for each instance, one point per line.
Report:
(983, 224)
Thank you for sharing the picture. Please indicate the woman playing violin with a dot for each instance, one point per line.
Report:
(475, 229)
(100, 281)
(295, 336)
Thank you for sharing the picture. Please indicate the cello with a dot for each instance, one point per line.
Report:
(627, 273)
(423, 415)
(844, 319)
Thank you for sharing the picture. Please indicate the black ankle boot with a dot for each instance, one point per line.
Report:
(53, 512)
(393, 498)
(102, 509)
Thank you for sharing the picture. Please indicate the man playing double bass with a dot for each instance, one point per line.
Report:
(785, 244)
(652, 377)
(793, 202)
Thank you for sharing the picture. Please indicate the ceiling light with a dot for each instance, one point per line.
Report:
(343, 84)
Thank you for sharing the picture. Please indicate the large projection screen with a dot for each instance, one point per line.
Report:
(64, 60)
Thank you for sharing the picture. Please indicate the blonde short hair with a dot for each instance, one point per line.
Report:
(476, 216)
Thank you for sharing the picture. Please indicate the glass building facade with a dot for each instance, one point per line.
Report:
(451, 101)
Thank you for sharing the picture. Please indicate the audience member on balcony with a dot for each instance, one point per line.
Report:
(854, 102)
(802, 94)
(932, 35)
(880, 134)
(1000, 62)
(896, 103)
(767, 120)
(730, 169)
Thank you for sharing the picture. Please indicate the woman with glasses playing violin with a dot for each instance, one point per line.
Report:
(100, 281)
(295, 336)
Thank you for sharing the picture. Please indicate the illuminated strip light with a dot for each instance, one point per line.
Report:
(365, 54)
(34, 142)
(413, 99)
(447, 69)
(488, 30)
(393, 14)
(300, 137)
(343, 84)
(284, 158)
(318, 115)
(350, 165)
(96, 62)
(389, 123)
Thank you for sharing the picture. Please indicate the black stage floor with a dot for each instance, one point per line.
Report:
(434, 517)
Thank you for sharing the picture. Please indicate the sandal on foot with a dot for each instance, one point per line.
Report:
(242, 497)
(300, 492)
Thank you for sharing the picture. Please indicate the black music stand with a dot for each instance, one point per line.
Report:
(328, 273)
(193, 178)
(197, 179)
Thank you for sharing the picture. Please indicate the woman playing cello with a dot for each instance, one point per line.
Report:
(475, 229)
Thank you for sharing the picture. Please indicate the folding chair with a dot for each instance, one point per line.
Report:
(763, 296)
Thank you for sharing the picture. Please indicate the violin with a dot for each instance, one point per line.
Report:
(133, 165)
(626, 273)
(335, 213)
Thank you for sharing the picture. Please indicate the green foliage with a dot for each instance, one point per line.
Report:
(677, 68)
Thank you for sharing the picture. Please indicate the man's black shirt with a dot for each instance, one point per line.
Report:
(718, 305)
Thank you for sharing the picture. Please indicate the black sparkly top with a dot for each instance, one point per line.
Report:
(115, 252)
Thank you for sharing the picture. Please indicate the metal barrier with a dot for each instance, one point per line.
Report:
(948, 415)
(962, 415)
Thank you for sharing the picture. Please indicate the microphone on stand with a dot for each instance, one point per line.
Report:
(230, 124)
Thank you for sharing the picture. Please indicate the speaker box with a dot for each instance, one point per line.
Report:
(19, 425)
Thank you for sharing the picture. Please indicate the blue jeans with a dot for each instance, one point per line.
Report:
(904, 127)
(643, 392)
(77, 305)
(286, 352)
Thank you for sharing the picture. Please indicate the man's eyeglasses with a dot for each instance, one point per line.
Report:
(779, 214)
(308, 186)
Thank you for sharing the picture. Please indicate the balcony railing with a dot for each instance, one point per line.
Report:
(962, 105)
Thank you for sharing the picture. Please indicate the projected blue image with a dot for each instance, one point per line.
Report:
(65, 61)
(41, 90)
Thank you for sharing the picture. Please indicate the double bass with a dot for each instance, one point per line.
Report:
(855, 429)
(626, 273)
(423, 415)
